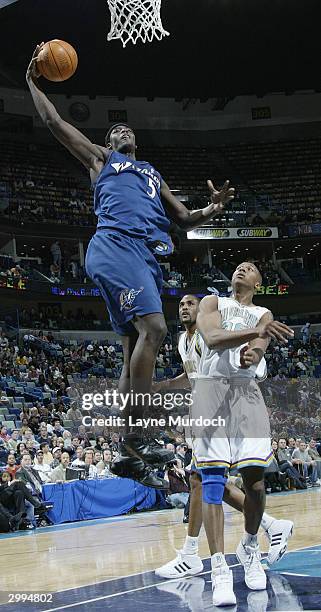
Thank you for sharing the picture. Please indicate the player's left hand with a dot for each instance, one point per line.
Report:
(220, 197)
(248, 357)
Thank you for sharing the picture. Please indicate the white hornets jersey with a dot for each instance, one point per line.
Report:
(226, 363)
(190, 350)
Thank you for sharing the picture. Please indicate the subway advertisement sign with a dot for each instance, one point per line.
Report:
(234, 233)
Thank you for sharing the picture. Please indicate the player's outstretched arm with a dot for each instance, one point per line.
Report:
(91, 155)
(189, 219)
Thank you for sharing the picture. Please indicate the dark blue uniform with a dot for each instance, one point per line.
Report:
(132, 228)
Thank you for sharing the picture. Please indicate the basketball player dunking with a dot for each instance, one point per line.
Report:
(236, 334)
(134, 206)
(187, 562)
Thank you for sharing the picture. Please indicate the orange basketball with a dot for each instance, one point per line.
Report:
(57, 60)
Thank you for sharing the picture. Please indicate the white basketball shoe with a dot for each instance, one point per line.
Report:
(222, 582)
(278, 535)
(250, 558)
(182, 565)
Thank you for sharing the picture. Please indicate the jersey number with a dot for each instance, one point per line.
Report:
(151, 193)
(232, 326)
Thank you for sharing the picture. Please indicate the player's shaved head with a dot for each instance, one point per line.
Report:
(247, 265)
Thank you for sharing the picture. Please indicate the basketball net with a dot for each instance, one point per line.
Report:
(132, 20)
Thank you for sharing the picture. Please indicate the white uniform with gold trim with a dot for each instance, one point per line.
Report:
(226, 363)
(224, 389)
(190, 350)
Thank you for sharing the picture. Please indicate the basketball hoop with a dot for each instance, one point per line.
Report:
(132, 20)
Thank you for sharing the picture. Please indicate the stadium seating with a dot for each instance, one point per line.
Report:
(43, 185)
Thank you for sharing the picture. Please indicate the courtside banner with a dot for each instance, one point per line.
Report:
(234, 233)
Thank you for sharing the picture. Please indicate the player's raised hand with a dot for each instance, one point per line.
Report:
(32, 70)
(276, 330)
(220, 197)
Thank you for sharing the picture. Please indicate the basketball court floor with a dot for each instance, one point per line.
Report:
(108, 564)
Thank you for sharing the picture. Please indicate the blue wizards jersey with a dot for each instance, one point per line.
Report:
(127, 199)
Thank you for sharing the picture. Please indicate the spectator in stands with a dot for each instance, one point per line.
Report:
(43, 435)
(275, 480)
(24, 424)
(34, 422)
(4, 342)
(111, 351)
(79, 461)
(73, 414)
(61, 442)
(3, 453)
(312, 450)
(103, 466)
(56, 457)
(97, 457)
(305, 331)
(43, 469)
(284, 459)
(160, 360)
(89, 461)
(47, 455)
(12, 466)
(114, 441)
(83, 435)
(180, 452)
(28, 435)
(305, 463)
(75, 444)
(12, 443)
(29, 475)
(178, 486)
(56, 253)
(100, 441)
(54, 273)
(31, 448)
(53, 441)
(57, 427)
(4, 434)
(20, 448)
(66, 436)
(292, 444)
(59, 473)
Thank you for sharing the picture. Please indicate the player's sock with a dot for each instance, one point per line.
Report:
(249, 540)
(190, 546)
(218, 561)
(266, 521)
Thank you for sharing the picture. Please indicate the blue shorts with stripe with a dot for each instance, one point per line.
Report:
(128, 275)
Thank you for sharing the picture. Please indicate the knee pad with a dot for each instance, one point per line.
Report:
(213, 484)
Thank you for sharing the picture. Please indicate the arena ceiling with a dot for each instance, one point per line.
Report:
(217, 48)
